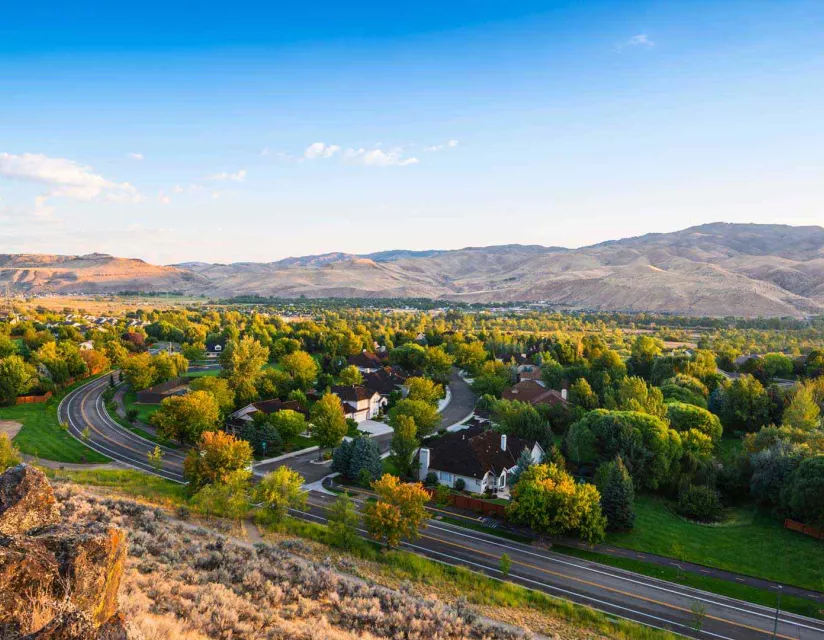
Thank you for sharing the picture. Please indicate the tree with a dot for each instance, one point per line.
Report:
(185, 417)
(328, 422)
(215, 457)
(505, 564)
(343, 522)
(301, 367)
(219, 388)
(634, 394)
(16, 378)
(262, 435)
(582, 395)
(438, 363)
(356, 456)
(351, 375)
(525, 461)
(409, 356)
(548, 500)
(778, 365)
(155, 458)
(520, 419)
(96, 361)
(470, 356)
(644, 351)
(9, 454)
(281, 490)
(684, 417)
(803, 495)
(745, 405)
(617, 494)
(228, 498)
(242, 363)
(425, 415)
(803, 411)
(399, 511)
(288, 423)
(424, 390)
(404, 445)
(648, 446)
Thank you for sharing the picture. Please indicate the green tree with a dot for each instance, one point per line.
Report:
(617, 494)
(803, 495)
(645, 349)
(634, 394)
(684, 417)
(215, 457)
(16, 378)
(9, 454)
(357, 455)
(425, 415)
(521, 419)
(264, 437)
(505, 564)
(155, 458)
(582, 395)
(219, 388)
(328, 422)
(745, 405)
(228, 498)
(399, 511)
(803, 411)
(343, 522)
(471, 356)
(351, 375)
(301, 367)
(288, 423)
(404, 445)
(438, 363)
(185, 417)
(425, 390)
(242, 363)
(547, 499)
(281, 490)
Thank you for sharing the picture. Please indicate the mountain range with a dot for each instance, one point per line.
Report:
(714, 269)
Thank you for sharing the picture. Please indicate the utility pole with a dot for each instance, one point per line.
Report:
(777, 610)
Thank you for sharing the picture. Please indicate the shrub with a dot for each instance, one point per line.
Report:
(131, 415)
(442, 495)
(431, 479)
(460, 484)
(700, 503)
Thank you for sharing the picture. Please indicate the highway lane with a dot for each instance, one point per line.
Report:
(83, 408)
(622, 593)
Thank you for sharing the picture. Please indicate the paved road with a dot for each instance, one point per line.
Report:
(83, 409)
(462, 403)
(621, 593)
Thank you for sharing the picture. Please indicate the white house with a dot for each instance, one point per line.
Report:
(359, 403)
(482, 458)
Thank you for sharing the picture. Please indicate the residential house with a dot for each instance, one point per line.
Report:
(384, 381)
(359, 403)
(482, 458)
(240, 418)
(534, 392)
(214, 349)
(366, 362)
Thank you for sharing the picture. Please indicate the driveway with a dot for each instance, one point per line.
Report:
(462, 404)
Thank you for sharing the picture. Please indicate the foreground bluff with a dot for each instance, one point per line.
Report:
(57, 581)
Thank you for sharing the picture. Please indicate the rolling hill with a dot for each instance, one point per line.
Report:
(715, 269)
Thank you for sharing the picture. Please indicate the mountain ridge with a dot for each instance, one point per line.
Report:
(713, 269)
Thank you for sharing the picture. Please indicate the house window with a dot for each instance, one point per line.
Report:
(446, 478)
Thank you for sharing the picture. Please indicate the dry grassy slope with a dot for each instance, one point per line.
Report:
(716, 269)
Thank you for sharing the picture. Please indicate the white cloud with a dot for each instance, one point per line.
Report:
(64, 179)
(238, 176)
(164, 199)
(135, 156)
(215, 195)
(265, 151)
(177, 189)
(641, 40)
(367, 157)
(440, 147)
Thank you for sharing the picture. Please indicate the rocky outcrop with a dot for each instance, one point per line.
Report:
(58, 581)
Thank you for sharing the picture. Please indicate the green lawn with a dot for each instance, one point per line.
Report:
(128, 482)
(144, 411)
(203, 373)
(749, 542)
(42, 436)
(111, 408)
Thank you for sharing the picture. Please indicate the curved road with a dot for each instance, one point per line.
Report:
(83, 409)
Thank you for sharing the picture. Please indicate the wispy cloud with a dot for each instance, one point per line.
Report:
(238, 176)
(265, 152)
(440, 147)
(367, 157)
(135, 156)
(641, 40)
(64, 178)
(163, 197)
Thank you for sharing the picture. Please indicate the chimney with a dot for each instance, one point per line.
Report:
(564, 394)
(503, 442)
(424, 460)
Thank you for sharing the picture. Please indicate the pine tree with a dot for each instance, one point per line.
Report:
(365, 456)
(524, 462)
(617, 494)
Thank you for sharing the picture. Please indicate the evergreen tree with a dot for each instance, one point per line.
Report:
(524, 462)
(617, 494)
(365, 456)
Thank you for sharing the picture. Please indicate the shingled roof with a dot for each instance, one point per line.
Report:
(533, 392)
(475, 451)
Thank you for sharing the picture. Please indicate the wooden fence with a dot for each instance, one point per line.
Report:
(804, 528)
(33, 399)
(474, 504)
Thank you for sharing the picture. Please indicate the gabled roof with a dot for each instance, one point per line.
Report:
(353, 393)
(383, 381)
(475, 451)
(533, 392)
(365, 360)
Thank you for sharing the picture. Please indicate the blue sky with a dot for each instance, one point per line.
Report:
(254, 131)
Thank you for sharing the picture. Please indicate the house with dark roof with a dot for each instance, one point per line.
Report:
(214, 349)
(534, 392)
(482, 458)
(359, 403)
(366, 361)
(384, 381)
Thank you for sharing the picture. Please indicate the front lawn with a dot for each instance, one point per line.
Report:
(42, 436)
(144, 411)
(750, 542)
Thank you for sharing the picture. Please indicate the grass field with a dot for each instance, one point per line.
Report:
(749, 542)
(203, 373)
(128, 482)
(42, 436)
(144, 411)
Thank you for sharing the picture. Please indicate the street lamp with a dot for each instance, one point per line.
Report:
(263, 446)
(777, 609)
